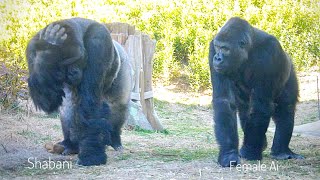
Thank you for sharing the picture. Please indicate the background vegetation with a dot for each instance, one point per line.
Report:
(182, 28)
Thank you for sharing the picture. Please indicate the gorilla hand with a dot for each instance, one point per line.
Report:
(54, 34)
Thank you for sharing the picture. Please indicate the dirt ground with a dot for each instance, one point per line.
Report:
(185, 150)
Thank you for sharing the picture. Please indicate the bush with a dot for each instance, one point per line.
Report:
(12, 86)
(182, 28)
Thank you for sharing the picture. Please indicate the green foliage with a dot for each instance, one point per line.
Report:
(12, 86)
(182, 28)
(141, 131)
(180, 154)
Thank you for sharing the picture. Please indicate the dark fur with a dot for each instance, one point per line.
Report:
(251, 75)
(84, 76)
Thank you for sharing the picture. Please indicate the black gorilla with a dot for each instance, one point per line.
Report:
(251, 75)
(75, 65)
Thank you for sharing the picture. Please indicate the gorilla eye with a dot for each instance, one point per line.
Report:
(242, 44)
(224, 48)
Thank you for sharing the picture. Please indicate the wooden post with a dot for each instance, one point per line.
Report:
(140, 49)
(133, 46)
(148, 46)
(136, 115)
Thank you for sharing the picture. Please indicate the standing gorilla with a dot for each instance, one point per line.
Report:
(251, 74)
(74, 64)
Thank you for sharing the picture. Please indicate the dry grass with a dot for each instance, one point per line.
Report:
(186, 150)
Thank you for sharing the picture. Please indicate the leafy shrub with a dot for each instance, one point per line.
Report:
(182, 28)
(12, 85)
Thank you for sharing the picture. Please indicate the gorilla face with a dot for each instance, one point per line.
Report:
(229, 57)
(231, 46)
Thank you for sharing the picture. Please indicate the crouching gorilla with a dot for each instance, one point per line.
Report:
(74, 64)
(251, 75)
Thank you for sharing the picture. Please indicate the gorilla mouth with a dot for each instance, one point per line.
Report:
(219, 69)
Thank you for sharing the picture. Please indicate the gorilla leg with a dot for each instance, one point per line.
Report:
(118, 117)
(256, 127)
(245, 117)
(284, 120)
(67, 115)
(92, 122)
(118, 97)
(242, 101)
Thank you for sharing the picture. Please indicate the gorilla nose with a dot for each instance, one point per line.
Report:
(217, 59)
(218, 63)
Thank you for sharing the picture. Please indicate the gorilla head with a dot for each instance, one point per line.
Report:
(232, 45)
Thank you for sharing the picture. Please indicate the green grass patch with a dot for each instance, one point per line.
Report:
(54, 115)
(57, 127)
(37, 138)
(143, 132)
(167, 154)
(28, 134)
(123, 157)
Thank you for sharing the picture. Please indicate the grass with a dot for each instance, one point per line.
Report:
(37, 138)
(142, 132)
(185, 147)
(28, 134)
(49, 116)
(34, 171)
(185, 154)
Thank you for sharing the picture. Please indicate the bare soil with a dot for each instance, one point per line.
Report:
(186, 150)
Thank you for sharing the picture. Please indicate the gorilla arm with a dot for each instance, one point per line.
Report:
(55, 55)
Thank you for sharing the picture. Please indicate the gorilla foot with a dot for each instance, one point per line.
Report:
(286, 155)
(250, 153)
(118, 147)
(69, 148)
(229, 159)
(68, 151)
(92, 159)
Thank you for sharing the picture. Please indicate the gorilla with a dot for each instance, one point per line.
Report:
(74, 64)
(251, 75)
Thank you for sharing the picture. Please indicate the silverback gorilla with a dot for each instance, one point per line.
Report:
(74, 64)
(251, 75)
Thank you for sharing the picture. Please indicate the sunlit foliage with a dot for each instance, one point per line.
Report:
(182, 28)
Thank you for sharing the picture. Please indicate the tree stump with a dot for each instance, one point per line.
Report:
(140, 49)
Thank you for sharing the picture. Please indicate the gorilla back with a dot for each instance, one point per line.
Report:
(74, 64)
(251, 75)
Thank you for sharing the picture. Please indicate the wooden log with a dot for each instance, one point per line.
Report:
(141, 78)
(136, 115)
(121, 28)
(133, 48)
(140, 49)
(148, 46)
(120, 38)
